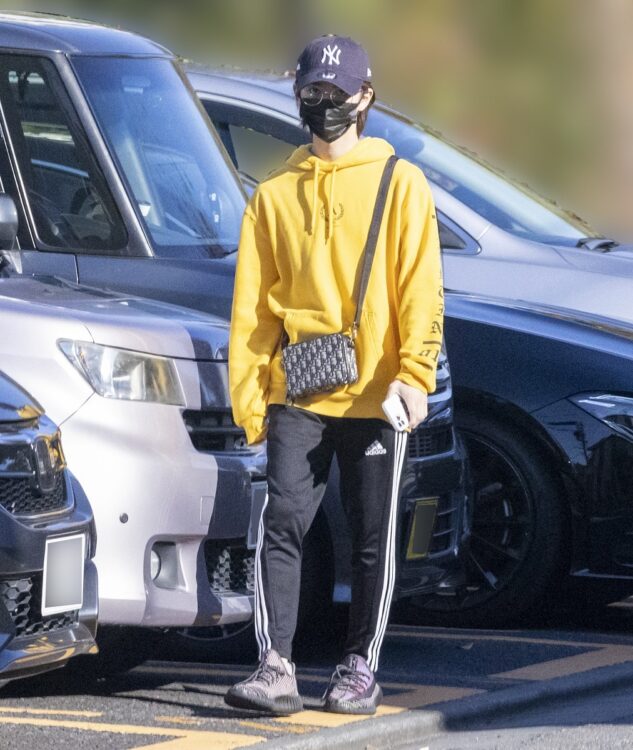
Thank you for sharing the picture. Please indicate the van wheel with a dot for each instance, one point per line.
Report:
(517, 547)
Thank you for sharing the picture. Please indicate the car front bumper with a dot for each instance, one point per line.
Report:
(43, 650)
(159, 504)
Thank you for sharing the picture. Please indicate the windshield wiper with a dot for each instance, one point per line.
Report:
(603, 244)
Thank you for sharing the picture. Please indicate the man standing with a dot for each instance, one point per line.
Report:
(298, 267)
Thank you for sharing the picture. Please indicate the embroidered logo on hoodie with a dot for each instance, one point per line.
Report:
(337, 213)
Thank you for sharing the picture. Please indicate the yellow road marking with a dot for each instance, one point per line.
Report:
(182, 739)
(198, 742)
(271, 727)
(59, 711)
(325, 719)
(545, 670)
(180, 719)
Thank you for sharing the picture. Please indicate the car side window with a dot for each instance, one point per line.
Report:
(68, 196)
(256, 142)
(258, 154)
(453, 238)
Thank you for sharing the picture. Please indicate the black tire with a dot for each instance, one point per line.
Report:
(518, 546)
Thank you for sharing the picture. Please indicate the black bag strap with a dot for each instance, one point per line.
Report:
(372, 236)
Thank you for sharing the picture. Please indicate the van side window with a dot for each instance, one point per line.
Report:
(67, 193)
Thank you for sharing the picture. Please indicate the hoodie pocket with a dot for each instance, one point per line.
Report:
(302, 325)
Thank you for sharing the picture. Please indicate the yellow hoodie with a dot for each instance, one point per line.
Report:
(301, 242)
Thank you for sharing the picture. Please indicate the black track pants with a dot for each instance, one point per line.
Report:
(371, 456)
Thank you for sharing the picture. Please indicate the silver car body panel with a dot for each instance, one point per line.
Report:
(136, 461)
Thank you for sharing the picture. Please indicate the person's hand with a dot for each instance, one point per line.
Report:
(414, 399)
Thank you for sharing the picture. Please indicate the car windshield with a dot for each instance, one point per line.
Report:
(512, 207)
(185, 190)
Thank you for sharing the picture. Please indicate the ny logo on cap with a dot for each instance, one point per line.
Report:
(332, 54)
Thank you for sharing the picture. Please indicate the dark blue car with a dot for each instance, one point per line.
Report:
(48, 582)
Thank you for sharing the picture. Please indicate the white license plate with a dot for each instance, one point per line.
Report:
(258, 498)
(63, 587)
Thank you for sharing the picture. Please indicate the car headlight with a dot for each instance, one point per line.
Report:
(614, 411)
(125, 374)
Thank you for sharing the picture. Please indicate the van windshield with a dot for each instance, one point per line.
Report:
(185, 190)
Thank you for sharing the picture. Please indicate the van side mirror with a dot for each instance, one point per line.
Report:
(8, 222)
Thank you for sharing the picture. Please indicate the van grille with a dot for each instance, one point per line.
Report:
(214, 431)
(230, 566)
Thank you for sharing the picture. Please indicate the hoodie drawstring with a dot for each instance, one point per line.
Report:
(315, 192)
(330, 221)
(315, 195)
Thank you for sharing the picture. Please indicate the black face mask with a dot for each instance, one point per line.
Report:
(328, 121)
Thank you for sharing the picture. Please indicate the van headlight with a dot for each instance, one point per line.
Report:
(615, 411)
(125, 374)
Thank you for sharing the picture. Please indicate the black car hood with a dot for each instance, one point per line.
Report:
(533, 316)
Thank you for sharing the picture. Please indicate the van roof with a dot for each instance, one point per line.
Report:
(48, 32)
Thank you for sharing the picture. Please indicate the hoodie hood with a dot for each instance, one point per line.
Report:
(303, 159)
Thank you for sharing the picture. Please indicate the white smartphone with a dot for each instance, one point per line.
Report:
(396, 412)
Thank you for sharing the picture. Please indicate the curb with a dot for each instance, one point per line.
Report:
(414, 725)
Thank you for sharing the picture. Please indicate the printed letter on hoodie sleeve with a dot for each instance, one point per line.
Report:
(255, 330)
(420, 287)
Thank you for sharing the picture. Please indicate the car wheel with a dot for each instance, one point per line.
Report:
(518, 536)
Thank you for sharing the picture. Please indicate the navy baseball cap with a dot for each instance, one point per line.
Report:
(335, 59)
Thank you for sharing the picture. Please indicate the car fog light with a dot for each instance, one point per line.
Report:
(154, 564)
(165, 566)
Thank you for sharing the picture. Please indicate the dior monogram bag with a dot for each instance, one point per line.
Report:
(323, 363)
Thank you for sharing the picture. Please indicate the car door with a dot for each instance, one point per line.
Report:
(78, 218)
(65, 206)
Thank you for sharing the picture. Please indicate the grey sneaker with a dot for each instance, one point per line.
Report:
(270, 688)
(353, 688)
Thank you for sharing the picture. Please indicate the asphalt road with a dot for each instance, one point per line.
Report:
(598, 721)
(174, 704)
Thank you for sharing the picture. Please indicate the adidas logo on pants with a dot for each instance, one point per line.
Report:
(375, 449)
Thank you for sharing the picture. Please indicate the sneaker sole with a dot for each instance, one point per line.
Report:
(363, 706)
(282, 706)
